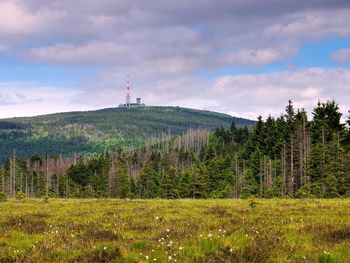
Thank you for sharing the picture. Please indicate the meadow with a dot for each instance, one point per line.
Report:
(277, 230)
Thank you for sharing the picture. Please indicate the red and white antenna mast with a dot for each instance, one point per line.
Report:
(127, 99)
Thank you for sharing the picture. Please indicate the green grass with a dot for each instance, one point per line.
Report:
(175, 231)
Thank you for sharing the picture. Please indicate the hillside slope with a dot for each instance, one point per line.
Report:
(94, 131)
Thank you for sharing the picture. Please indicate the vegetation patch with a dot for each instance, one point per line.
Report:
(103, 254)
(30, 224)
(182, 230)
(94, 234)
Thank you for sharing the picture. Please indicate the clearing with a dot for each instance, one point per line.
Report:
(175, 230)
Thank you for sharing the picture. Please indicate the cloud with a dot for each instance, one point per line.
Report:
(108, 53)
(253, 94)
(244, 95)
(257, 57)
(108, 89)
(184, 35)
(342, 56)
(29, 99)
(17, 22)
(166, 46)
(310, 24)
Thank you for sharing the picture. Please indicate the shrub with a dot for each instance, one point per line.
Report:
(253, 203)
(46, 199)
(304, 192)
(20, 195)
(131, 195)
(3, 197)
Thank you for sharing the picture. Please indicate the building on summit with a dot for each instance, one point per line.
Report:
(128, 103)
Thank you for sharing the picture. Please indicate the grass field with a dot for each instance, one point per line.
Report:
(175, 231)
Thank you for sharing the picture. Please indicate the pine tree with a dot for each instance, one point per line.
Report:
(122, 179)
(198, 182)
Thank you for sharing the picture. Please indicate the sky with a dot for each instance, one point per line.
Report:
(240, 57)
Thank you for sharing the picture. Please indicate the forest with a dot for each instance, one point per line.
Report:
(101, 130)
(291, 156)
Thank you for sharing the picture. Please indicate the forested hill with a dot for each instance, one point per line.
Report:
(94, 131)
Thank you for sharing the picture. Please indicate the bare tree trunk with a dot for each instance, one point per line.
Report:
(3, 179)
(14, 174)
(11, 178)
(243, 176)
(21, 181)
(283, 170)
(305, 150)
(26, 185)
(301, 158)
(237, 176)
(291, 190)
(323, 138)
(47, 176)
(270, 173)
(261, 178)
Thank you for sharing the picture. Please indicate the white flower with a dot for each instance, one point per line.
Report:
(104, 248)
(170, 258)
(147, 257)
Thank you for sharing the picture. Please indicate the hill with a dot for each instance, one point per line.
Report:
(94, 131)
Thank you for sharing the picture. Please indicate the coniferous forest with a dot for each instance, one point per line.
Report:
(289, 156)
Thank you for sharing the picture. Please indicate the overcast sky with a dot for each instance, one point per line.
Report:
(241, 57)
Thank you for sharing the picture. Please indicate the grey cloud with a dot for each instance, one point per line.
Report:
(157, 30)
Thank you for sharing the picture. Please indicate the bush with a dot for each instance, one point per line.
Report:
(46, 199)
(304, 192)
(253, 203)
(3, 197)
(131, 195)
(20, 195)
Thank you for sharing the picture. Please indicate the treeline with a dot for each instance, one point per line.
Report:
(288, 156)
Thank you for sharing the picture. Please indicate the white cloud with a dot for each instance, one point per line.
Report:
(310, 24)
(258, 57)
(251, 95)
(95, 53)
(16, 21)
(342, 56)
(29, 99)
(246, 95)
